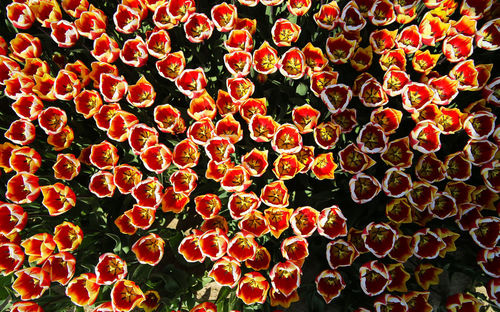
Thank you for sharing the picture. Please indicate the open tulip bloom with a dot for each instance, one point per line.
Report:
(263, 155)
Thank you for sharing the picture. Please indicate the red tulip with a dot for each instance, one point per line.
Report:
(198, 27)
(252, 288)
(141, 217)
(260, 261)
(351, 18)
(172, 201)
(91, 23)
(202, 107)
(213, 244)
(466, 74)
(126, 19)
(26, 306)
(287, 139)
(11, 258)
(329, 284)
(149, 249)
(126, 295)
(379, 238)
(75, 8)
(426, 275)
(20, 15)
(58, 198)
(298, 7)
(101, 184)
(393, 59)
(158, 44)
(483, 35)
(31, 283)
(285, 277)
(457, 48)
(462, 302)
(192, 82)
(134, 52)
(88, 103)
(189, 248)
(427, 244)
(171, 66)
(485, 232)
(480, 152)
(443, 206)
(13, 218)
(402, 249)
(239, 40)
(180, 10)
(148, 193)
(167, 118)
(255, 162)
(340, 253)
(201, 131)
(25, 46)
(390, 302)
(126, 177)
(425, 137)
(293, 64)
(327, 16)
(142, 94)
(25, 159)
(339, 49)
(374, 278)
(254, 223)
(424, 61)
(104, 307)
(224, 16)
(104, 155)
(60, 267)
(23, 188)
(284, 32)
(275, 194)
(64, 33)
(156, 158)
(409, 39)
(433, 29)
(207, 205)
(286, 166)
(39, 247)
(265, 59)
(241, 204)
(215, 222)
(240, 89)
(395, 148)
(372, 138)
(236, 179)
(242, 246)
(262, 128)
(224, 102)
(417, 301)
(67, 236)
(336, 97)
(226, 271)
(353, 160)
(488, 260)
(332, 223)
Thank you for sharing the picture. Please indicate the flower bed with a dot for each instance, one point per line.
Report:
(300, 154)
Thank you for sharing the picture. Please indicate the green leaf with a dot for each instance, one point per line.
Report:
(118, 242)
(302, 89)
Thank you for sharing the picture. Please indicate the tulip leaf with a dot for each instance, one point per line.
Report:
(118, 242)
(302, 89)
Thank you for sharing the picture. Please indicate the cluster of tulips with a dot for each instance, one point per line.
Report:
(380, 84)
